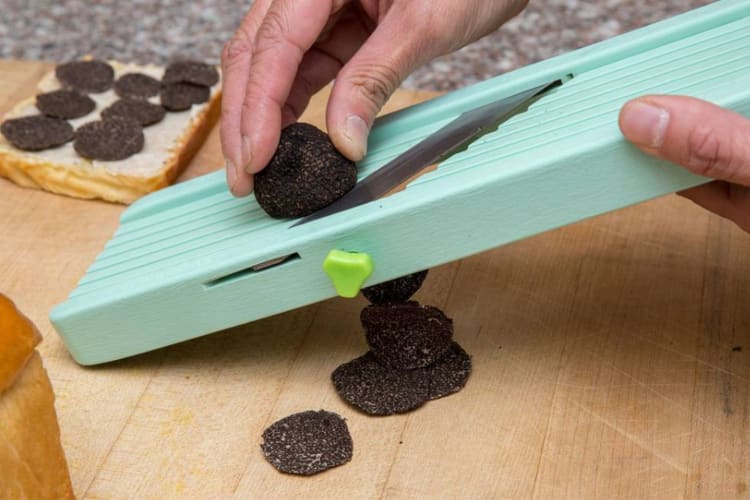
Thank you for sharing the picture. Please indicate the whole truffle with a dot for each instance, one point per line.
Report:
(406, 336)
(306, 174)
(396, 290)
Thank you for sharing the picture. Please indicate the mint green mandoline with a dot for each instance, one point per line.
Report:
(185, 261)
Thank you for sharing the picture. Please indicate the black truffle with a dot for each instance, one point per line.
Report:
(305, 174)
(36, 133)
(86, 76)
(396, 290)
(406, 336)
(65, 103)
(182, 96)
(307, 443)
(137, 86)
(194, 72)
(449, 374)
(378, 390)
(109, 140)
(141, 111)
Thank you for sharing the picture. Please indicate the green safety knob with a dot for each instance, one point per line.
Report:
(348, 271)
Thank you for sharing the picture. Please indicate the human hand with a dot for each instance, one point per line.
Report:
(286, 50)
(707, 140)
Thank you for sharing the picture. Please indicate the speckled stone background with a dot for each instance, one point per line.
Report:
(154, 31)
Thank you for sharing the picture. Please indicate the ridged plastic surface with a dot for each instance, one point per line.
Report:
(563, 160)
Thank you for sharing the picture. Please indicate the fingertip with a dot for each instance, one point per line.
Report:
(239, 182)
(644, 123)
(350, 137)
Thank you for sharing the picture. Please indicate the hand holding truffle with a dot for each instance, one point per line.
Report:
(704, 138)
(286, 50)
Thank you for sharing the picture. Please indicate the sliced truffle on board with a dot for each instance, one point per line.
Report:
(109, 140)
(86, 76)
(137, 86)
(406, 336)
(65, 103)
(182, 96)
(378, 390)
(37, 133)
(141, 111)
(194, 72)
(305, 174)
(396, 290)
(449, 374)
(307, 443)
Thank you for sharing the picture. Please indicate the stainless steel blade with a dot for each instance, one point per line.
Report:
(436, 148)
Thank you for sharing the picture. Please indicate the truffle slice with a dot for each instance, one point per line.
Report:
(378, 390)
(396, 290)
(65, 103)
(305, 174)
(36, 133)
(449, 374)
(109, 140)
(86, 76)
(406, 336)
(142, 112)
(137, 86)
(182, 96)
(194, 72)
(307, 443)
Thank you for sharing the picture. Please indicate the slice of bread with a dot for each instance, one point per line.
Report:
(169, 147)
(32, 461)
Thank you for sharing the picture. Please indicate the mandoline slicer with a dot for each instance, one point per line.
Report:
(191, 259)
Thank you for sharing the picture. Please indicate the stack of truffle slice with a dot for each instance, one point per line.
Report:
(412, 357)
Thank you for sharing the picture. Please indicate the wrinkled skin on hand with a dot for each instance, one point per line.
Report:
(286, 50)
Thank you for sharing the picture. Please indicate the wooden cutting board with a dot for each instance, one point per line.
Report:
(611, 359)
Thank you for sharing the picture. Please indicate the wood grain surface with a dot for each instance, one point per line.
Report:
(611, 360)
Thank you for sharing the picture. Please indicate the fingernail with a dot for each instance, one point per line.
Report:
(247, 154)
(231, 174)
(355, 133)
(645, 124)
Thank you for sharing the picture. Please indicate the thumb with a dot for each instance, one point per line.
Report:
(366, 82)
(706, 139)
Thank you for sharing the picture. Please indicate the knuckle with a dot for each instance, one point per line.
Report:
(235, 49)
(275, 32)
(705, 152)
(375, 84)
(273, 24)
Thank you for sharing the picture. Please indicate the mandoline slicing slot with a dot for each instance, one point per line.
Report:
(254, 269)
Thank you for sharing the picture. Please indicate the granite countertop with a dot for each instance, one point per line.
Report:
(147, 31)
